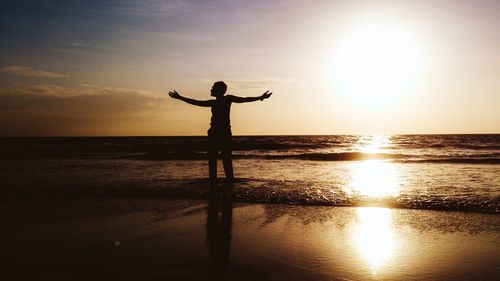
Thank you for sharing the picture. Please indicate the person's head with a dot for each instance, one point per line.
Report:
(218, 89)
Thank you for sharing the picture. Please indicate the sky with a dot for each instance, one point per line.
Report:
(91, 68)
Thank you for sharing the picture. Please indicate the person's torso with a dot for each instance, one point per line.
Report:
(220, 113)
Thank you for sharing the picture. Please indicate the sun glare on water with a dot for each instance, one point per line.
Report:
(374, 237)
(373, 144)
(373, 179)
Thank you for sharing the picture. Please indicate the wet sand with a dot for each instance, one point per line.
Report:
(218, 239)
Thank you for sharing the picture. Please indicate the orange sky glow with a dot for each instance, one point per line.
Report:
(335, 67)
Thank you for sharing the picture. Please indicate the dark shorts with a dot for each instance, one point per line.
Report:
(219, 139)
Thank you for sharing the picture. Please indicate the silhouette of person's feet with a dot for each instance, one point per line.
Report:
(213, 182)
(229, 182)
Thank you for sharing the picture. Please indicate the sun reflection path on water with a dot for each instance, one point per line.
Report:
(373, 144)
(373, 179)
(374, 237)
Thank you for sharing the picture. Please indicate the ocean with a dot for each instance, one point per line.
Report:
(443, 172)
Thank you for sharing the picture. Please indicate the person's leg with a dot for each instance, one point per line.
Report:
(212, 164)
(228, 164)
(212, 158)
(226, 154)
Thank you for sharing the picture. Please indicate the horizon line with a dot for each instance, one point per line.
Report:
(250, 135)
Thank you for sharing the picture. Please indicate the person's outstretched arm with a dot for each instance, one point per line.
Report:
(262, 97)
(205, 103)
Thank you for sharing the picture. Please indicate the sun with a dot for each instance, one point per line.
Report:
(377, 62)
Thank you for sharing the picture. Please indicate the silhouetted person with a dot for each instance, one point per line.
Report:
(219, 134)
(219, 222)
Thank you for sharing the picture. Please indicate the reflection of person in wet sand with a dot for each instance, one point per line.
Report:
(219, 220)
(219, 134)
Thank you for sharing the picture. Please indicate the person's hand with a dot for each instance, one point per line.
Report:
(265, 95)
(174, 94)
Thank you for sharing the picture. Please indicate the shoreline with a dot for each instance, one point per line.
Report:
(217, 238)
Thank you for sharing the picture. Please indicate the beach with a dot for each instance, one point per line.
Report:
(219, 239)
(407, 207)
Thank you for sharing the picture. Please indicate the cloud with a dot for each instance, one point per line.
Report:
(80, 90)
(84, 97)
(89, 109)
(152, 8)
(44, 90)
(27, 71)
